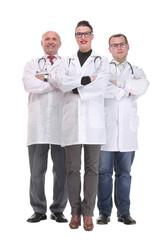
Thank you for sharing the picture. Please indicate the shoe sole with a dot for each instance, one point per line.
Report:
(41, 219)
(88, 229)
(55, 219)
(74, 227)
(121, 220)
(103, 223)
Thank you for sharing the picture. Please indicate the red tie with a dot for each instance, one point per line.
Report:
(51, 59)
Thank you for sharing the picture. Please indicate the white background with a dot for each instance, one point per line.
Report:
(22, 24)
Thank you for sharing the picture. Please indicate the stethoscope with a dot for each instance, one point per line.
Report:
(42, 65)
(128, 64)
(97, 57)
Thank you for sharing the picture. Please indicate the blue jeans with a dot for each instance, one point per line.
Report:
(121, 162)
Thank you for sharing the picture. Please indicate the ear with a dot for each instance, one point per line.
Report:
(128, 47)
(92, 36)
(109, 49)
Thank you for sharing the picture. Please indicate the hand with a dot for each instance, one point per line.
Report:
(40, 76)
(114, 82)
(92, 78)
(131, 95)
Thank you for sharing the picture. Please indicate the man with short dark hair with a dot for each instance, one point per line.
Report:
(127, 83)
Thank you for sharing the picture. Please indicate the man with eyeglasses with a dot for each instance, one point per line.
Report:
(127, 83)
(83, 77)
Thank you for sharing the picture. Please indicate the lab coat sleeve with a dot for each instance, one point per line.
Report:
(33, 84)
(97, 87)
(64, 80)
(137, 84)
(114, 92)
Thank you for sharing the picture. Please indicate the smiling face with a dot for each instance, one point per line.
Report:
(119, 48)
(85, 40)
(50, 43)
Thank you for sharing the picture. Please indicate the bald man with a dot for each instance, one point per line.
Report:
(44, 131)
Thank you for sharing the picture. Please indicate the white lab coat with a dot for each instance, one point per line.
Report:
(121, 112)
(83, 113)
(44, 106)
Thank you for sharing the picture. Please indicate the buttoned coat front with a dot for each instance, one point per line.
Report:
(83, 113)
(44, 105)
(121, 117)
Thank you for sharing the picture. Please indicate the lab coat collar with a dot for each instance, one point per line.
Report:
(57, 59)
(117, 63)
(75, 55)
(56, 56)
(75, 60)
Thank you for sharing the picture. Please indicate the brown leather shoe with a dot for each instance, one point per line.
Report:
(75, 222)
(88, 224)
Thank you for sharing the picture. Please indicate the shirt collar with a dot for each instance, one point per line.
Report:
(117, 63)
(56, 56)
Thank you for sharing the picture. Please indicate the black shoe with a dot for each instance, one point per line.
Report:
(126, 219)
(58, 217)
(37, 217)
(103, 219)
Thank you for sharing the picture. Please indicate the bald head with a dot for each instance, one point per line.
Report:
(51, 42)
(51, 32)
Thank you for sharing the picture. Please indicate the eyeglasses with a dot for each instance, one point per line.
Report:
(86, 34)
(121, 45)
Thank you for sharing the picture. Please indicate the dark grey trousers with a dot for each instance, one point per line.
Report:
(90, 180)
(38, 158)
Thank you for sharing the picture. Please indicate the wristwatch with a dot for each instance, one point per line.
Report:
(45, 77)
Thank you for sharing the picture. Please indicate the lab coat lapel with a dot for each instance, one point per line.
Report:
(75, 62)
(56, 62)
(126, 71)
(89, 60)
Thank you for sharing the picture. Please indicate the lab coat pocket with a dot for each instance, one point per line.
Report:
(70, 114)
(96, 114)
(134, 123)
(33, 113)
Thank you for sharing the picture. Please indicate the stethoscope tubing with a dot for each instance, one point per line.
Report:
(128, 64)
